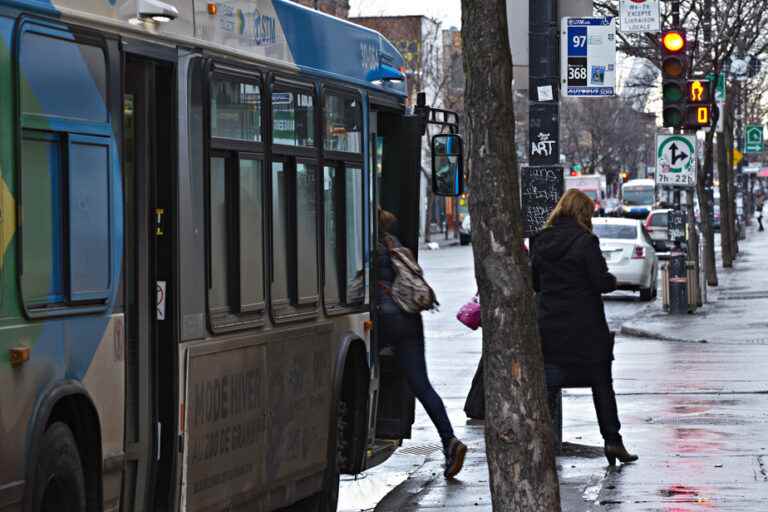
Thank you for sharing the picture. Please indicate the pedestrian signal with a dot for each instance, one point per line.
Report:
(699, 109)
(699, 91)
(674, 71)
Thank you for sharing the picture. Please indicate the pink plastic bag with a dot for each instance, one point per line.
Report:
(469, 314)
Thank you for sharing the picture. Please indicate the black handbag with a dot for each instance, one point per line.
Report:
(474, 407)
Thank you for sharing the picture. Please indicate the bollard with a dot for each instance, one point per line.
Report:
(678, 282)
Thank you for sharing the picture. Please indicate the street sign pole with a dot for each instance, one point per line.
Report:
(544, 106)
(544, 116)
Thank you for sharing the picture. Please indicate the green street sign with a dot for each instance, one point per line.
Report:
(754, 139)
(719, 87)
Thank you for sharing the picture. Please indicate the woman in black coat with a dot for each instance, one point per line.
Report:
(569, 277)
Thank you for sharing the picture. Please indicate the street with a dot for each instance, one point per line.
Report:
(694, 412)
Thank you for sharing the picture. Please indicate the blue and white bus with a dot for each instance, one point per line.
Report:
(188, 201)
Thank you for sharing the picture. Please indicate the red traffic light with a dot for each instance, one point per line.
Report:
(673, 41)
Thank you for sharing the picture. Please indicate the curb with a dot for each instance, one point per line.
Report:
(636, 332)
(409, 490)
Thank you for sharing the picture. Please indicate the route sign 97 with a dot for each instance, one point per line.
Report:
(588, 56)
(676, 160)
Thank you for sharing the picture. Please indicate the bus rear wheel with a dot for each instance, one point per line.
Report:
(59, 479)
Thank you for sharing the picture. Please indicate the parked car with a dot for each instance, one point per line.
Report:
(629, 253)
(657, 225)
(465, 231)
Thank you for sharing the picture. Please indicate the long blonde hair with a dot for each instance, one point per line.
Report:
(574, 204)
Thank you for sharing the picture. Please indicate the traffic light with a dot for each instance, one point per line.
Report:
(674, 71)
(699, 110)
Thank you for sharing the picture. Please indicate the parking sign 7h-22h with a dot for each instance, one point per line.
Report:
(676, 160)
(588, 57)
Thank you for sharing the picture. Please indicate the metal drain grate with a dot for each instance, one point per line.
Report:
(422, 449)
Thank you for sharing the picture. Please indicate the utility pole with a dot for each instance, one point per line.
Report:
(544, 114)
(544, 83)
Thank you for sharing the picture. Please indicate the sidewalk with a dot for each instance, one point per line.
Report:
(439, 239)
(696, 413)
(736, 309)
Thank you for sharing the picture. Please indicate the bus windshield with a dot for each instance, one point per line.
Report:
(638, 196)
(592, 194)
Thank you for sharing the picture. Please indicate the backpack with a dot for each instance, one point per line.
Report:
(410, 290)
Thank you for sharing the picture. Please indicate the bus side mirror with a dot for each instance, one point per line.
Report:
(447, 165)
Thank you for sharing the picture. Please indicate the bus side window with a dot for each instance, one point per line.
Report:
(237, 176)
(346, 200)
(67, 171)
(294, 237)
(344, 225)
(332, 247)
(306, 233)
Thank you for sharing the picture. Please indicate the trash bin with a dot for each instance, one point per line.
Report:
(678, 283)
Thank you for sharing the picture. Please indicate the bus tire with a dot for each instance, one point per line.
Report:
(59, 478)
(327, 500)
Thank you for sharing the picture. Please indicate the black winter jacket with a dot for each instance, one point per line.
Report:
(570, 275)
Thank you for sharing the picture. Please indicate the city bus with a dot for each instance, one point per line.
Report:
(188, 216)
(638, 198)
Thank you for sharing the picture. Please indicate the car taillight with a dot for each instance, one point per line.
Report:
(638, 253)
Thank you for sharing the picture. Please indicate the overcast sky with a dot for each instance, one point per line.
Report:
(447, 11)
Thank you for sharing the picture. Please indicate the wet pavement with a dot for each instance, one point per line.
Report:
(696, 413)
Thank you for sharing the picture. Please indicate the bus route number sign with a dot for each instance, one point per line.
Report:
(588, 57)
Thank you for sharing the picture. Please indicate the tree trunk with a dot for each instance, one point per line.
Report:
(705, 182)
(724, 171)
(725, 225)
(518, 432)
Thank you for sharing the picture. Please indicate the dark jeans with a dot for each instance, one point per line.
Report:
(405, 333)
(595, 376)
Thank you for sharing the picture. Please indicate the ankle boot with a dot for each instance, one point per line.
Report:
(615, 450)
(454, 457)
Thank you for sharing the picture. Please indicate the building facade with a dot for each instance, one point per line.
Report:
(338, 8)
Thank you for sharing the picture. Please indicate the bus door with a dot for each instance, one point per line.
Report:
(149, 176)
(397, 160)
